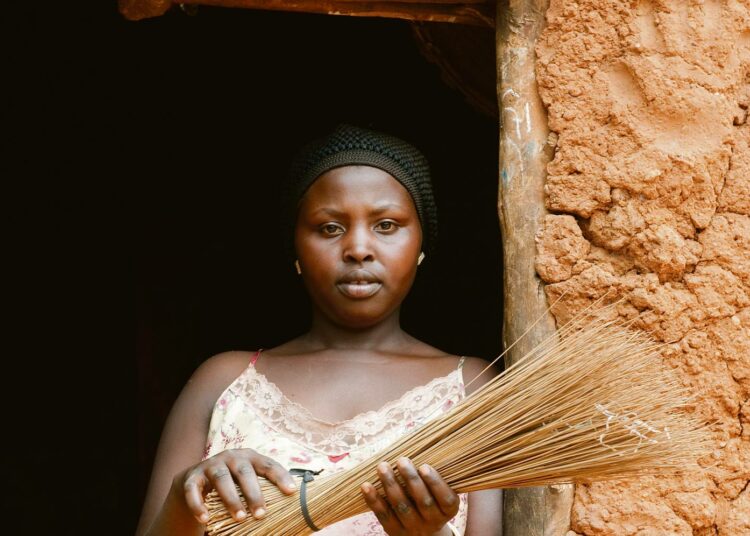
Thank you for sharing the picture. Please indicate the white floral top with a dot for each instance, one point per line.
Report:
(253, 413)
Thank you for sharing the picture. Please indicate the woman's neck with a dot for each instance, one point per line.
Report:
(384, 336)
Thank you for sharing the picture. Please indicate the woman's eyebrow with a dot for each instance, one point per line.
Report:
(330, 211)
(384, 208)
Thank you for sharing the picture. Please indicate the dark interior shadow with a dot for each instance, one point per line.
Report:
(185, 125)
(238, 94)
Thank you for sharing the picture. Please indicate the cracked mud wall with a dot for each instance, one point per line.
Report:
(649, 195)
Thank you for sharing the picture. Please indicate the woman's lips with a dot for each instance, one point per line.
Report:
(359, 289)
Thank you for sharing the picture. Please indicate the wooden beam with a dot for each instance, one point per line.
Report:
(524, 154)
(471, 12)
(143, 9)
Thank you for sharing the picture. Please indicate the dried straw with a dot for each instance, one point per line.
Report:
(593, 402)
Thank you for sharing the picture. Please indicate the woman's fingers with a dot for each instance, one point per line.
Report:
(193, 486)
(420, 502)
(397, 498)
(247, 480)
(381, 509)
(421, 496)
(221, 478)
(444, 496)
(275, 472)
(227, 470)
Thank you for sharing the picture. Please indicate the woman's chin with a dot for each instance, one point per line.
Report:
(362, 319)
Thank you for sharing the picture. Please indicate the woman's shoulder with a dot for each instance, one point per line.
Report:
(477, 372)
(471, 365)
(217, 372)
(226, 365)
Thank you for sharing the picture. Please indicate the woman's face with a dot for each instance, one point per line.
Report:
(357, 238)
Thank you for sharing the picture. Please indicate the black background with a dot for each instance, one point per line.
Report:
(142, 163)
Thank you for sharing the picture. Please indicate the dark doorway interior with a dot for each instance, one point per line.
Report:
(159, 145)
(217, 104)
(184, 125)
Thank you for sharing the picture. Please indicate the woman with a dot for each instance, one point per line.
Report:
(363, 219)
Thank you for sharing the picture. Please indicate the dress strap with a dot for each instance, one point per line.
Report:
(254, 359)
(461, 362)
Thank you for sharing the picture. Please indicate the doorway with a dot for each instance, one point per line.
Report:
(222, 100)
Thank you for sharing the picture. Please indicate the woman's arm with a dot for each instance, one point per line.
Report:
(485, 513)
(485, 507)
(181, 446)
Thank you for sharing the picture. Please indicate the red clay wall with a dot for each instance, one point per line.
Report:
(650, 194)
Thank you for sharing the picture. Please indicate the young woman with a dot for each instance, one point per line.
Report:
(363, 219)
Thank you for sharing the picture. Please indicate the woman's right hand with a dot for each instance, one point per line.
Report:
(221, 472)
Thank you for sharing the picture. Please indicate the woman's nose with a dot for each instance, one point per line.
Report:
(358, 245)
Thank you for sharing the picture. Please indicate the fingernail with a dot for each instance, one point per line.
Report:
(366, 487)
(424, 470)
(203, 518)
(292, 485)
(241, 514)
(260, 512)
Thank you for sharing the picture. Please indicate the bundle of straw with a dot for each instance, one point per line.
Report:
(593, 402)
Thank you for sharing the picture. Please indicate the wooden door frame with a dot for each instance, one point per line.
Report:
(524, 154)
(472, 12)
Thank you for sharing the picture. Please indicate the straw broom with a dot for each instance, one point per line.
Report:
(592, 402)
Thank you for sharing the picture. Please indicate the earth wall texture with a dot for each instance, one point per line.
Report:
(649, 199)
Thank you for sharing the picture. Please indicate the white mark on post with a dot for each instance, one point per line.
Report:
(528, 118)
(515, 120)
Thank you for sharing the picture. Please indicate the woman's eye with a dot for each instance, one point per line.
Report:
(386, 226)
(331, 229)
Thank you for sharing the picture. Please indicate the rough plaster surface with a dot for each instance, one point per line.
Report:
(649, 191)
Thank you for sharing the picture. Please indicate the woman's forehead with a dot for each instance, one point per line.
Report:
(357, 183)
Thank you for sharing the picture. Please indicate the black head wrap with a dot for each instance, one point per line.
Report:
(351, 145)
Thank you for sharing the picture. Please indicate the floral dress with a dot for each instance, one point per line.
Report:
(253, 413)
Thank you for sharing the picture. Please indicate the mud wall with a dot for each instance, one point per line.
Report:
(649, 198)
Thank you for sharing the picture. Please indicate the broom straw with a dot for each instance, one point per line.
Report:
(592, 401)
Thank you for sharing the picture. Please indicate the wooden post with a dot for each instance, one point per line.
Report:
(524, 154)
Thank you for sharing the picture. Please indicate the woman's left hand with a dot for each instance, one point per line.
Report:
(422, 507)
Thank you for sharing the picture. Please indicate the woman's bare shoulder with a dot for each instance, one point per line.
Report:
(477, 372)
(473, 367)
(218, 372)
(224, 365)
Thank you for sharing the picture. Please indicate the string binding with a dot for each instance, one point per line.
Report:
(307, 476)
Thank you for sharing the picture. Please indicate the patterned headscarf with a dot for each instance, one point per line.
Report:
(351, 145)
